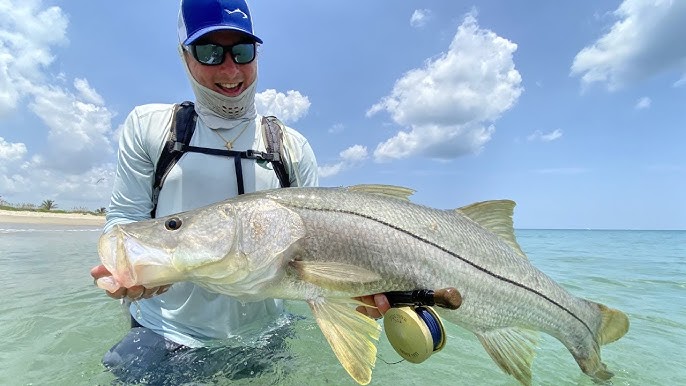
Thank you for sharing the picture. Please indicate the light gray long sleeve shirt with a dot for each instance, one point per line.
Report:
(186, 313)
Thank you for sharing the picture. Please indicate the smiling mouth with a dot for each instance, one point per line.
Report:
(230, 88)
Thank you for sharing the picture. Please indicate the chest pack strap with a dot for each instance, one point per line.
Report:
(272, 130)
(178, 143)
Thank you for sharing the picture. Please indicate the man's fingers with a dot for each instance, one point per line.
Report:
(99, 271)
(139, 292)
(381, 303)
(373, 311)
(118, 294)
(135, 293)
(150, 292)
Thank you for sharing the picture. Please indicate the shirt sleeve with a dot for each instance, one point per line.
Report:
(308, 171)
(302, 163)
(131, 198)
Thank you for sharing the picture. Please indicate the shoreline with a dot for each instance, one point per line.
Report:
(29, 217)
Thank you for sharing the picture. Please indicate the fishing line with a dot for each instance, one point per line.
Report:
(389, 363)
(432, 324)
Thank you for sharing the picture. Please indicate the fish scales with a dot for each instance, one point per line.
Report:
(440, 240)
(325, 245)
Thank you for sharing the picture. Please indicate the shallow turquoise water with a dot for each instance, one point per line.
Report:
(55, 325)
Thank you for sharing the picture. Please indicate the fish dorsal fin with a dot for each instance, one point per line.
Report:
(350, 334)
(512, 349)
(333, 275)
(495, 216)
(385, 190)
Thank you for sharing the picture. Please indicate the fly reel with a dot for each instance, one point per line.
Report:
(412, 327)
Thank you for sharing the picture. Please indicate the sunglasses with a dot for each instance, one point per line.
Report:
(213, 54)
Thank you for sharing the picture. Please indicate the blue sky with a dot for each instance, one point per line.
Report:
(574, 110)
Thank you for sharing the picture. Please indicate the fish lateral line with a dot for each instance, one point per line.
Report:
(446, 250)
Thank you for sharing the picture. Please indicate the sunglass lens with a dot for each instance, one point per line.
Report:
(243, 53)
(209, 54)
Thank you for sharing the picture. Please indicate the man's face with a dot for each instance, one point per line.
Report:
(228, 78)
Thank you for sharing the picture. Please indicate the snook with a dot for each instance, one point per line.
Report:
(326, 245)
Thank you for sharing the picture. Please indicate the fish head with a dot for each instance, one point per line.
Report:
(230, 247)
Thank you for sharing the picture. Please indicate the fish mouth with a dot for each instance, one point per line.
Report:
(128, 259)
(114, 257)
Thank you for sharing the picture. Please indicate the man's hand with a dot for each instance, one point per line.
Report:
(379, 305)
(133, 293)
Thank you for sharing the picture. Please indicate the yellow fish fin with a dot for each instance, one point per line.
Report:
(350, 334)
(614, 325)
(333, 275)
(386, 190)
(512, 349)
(495, 216)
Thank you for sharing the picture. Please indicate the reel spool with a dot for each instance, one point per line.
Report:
(413, 328)
(414, 332)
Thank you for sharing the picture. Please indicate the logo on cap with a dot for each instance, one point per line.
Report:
(237, 10)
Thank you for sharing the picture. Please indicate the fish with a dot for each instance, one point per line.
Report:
(328, 245)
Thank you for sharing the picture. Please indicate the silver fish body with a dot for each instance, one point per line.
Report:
(326, 245)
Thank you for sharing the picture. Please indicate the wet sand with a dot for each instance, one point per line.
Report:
(29, 217)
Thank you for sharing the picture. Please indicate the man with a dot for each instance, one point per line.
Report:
(218, 49)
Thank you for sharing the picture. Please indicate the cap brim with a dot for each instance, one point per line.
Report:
(207, 30)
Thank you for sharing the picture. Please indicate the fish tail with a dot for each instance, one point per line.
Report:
(613, 325)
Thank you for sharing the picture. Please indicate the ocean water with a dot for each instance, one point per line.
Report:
(55, 325)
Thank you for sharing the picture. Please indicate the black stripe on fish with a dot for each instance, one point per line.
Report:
(493, 274)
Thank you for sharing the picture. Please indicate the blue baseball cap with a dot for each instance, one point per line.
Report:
(198, 17)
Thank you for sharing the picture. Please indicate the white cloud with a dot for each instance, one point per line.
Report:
(78, 131)
(87, 93)
(337, 128)
(29, 184)
(643, 103)
(545, 137)
(354, 154)
(11, 151)
(26, 35)
(420, 17)
(329, 170)
(450, 104)
(644, 41)
(349, 158)
(288, 107)
(78, 122)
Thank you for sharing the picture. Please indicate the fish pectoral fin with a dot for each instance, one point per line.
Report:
(332, 275)
(384, 190)
(350, 334)
(512, 349)
(496, 216)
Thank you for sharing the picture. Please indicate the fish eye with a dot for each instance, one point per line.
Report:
(173, 224)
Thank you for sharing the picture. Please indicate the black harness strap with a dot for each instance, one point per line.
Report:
(239, 174)
(248, 154)
(172, 152)
(237, 157)
(179, 138)
(272, 129)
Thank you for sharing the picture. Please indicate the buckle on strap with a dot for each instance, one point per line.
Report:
(258, 155)
(178, 146)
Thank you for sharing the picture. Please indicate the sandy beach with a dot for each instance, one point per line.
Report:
(28, 217)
